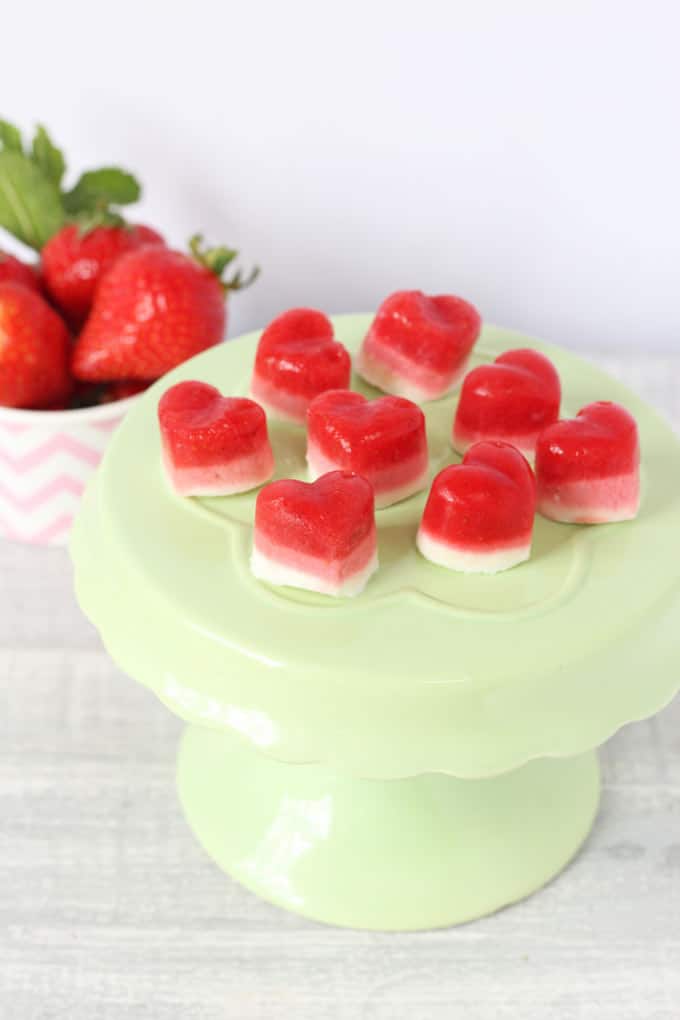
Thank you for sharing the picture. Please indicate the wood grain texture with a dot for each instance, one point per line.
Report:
(110, 911)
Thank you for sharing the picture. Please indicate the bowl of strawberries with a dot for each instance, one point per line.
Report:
(105, 310)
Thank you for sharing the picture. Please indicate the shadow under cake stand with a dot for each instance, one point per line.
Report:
(418, 756)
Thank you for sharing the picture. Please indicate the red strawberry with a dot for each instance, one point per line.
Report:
(16, 271)
(154, 309)
(74, 260)
(34, 350)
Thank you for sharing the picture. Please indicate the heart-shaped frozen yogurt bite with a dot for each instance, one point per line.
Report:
(588, 467)
(384, 440)
(213, 445)
(297, 358)
(512, 400)
(479, 516)
(418, 346)
(316, 535)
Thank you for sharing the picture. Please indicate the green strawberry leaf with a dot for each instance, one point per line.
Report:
(10, 137)
(30, 203)
(47, 156)
(97, 189)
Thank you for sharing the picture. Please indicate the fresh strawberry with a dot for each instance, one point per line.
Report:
(73, 260)
(16, 271)
(34, 350)
(154, 309)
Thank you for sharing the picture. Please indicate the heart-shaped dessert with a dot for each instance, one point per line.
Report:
(418, 346)
(588, 467)
(298, 358)
(479, 516)
(213, 445)
(512, 400)
(383, 440)
(316, 535)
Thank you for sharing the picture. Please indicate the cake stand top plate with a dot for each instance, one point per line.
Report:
(427, 669)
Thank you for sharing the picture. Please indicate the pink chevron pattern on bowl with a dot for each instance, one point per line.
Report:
(46, 459)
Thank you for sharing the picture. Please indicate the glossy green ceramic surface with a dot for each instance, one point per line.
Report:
(425, 852)
(427, 671)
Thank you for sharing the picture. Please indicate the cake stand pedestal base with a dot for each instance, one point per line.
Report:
(400, 855)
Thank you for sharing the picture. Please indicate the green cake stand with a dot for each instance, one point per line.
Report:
(418, 756)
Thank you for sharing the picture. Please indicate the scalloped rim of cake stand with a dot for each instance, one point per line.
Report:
(373, 721)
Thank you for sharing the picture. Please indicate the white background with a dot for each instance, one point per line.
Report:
(524, 155)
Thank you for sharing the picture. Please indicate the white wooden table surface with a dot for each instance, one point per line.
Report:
(109, 910)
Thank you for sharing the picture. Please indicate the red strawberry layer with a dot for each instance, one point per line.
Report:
(297, 359)
(588, 467)
(418, 346)
(512, 400)
(213, 445)
(383, 440)
(479, 515)
(318, 535)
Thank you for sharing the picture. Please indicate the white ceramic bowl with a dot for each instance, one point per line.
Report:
(46, 459)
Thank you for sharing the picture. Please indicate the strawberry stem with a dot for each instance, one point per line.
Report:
(217, 260)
